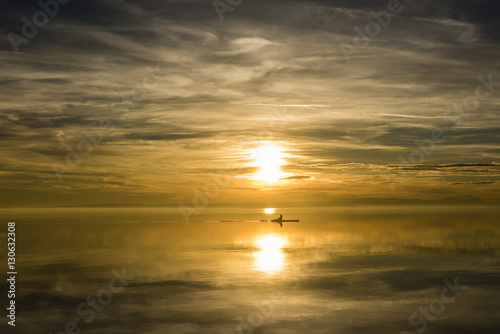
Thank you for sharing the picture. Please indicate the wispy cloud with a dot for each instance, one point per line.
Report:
(221, 85)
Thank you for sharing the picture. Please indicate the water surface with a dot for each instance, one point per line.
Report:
(349, 270)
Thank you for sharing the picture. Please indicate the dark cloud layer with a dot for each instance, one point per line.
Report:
(215, 85)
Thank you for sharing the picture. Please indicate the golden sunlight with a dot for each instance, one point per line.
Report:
(268, 158)
(269, 211)
(271, 257)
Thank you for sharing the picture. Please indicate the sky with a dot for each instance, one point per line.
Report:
(249, 103)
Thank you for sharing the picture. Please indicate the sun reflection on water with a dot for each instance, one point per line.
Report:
(270, 258)
(269, 210)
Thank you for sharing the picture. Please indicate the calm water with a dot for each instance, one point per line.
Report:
(353, 270)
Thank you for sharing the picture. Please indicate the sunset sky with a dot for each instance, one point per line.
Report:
(163, 97)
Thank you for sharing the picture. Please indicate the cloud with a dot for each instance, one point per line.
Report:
(244, 45)
(270, 71)
(461, 167)
(298, 177)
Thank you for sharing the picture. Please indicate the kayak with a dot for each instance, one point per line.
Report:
(277, 220)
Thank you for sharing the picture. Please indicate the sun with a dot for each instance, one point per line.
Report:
(269, 211)
(268, 157)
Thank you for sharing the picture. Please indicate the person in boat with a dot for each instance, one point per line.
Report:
(279, 220)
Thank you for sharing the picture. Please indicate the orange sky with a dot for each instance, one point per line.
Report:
(98, 110)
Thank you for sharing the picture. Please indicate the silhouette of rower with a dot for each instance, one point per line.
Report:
(279, 220)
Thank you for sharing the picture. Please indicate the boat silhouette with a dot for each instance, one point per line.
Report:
(279, 220)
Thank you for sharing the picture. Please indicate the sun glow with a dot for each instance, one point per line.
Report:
(271, 257)
(269, 211)
(268, 158)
